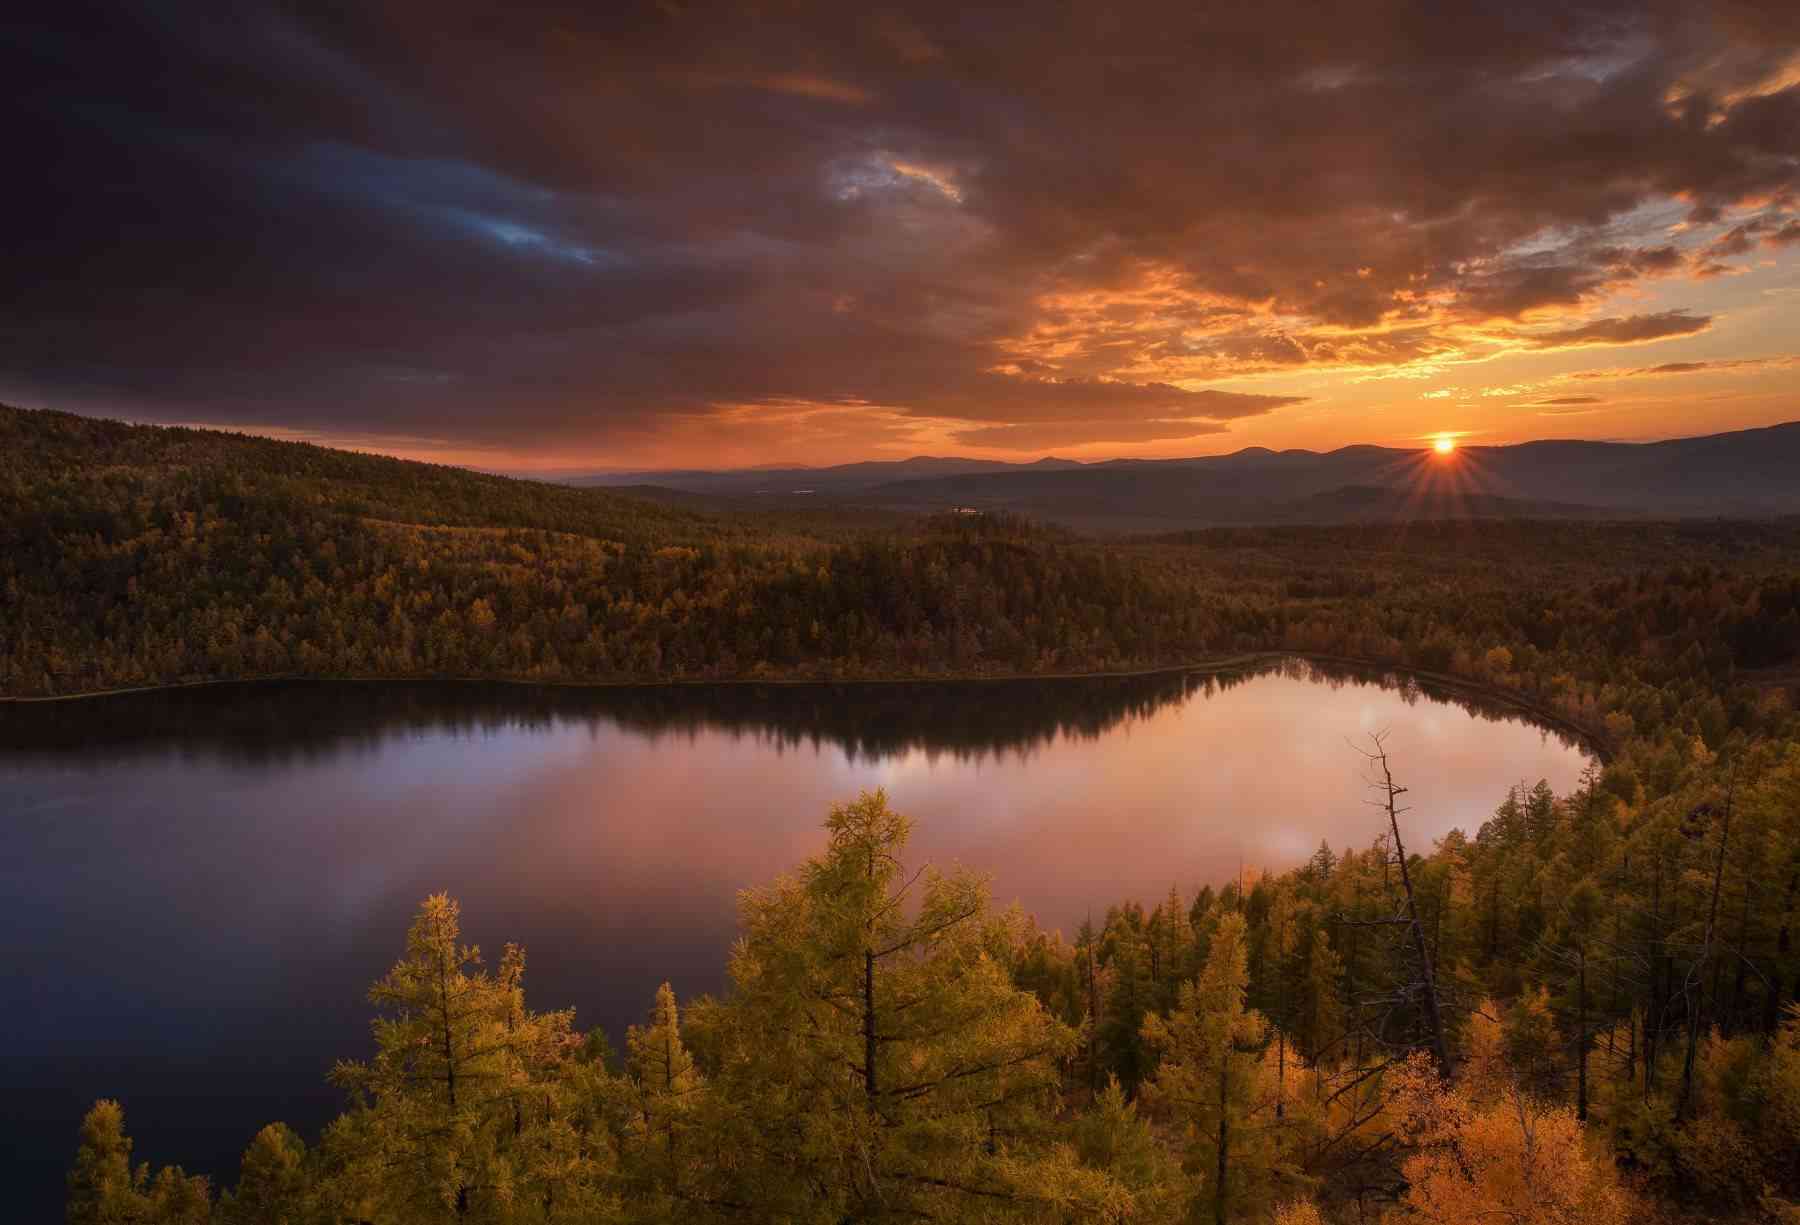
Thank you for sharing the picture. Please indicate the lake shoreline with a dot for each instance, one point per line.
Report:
(1589, 740)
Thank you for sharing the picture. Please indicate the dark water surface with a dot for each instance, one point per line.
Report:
(199, 885)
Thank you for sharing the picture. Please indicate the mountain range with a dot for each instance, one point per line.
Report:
(1746, 472)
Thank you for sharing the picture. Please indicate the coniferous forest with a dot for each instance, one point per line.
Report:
(1582, 1010)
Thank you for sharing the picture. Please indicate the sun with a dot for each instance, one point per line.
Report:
(1444, 444)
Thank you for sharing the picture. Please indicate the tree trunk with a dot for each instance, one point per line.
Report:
(869, 1026)
(1440, 1049)
(1613, 1012)
(1581, 1045)
(1736, 1014)
(1697, 1007)
(1093, 1026)
(1280, 1071)
(1783, 942)
(1651, 1010)
(1224, 1130)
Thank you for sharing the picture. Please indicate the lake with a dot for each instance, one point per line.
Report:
(200, 884)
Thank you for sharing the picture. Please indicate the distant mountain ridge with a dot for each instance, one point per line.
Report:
(839, 478)
(1745, 472)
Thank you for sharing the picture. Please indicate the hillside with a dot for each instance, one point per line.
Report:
(134, 556)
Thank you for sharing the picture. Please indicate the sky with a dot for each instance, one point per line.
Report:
(541, 237)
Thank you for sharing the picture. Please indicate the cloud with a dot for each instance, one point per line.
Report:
(1714, 366)
(1767, 230)
(1004, 398)
(619, 227)
(1686, 367)
(1627, 330)
(1567, 412)
(798, 84)
(1043, 436)
(1565, 401)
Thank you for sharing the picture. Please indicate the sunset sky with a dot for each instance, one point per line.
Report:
(536, 237)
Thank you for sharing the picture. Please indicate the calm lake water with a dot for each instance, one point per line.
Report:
(199, 886)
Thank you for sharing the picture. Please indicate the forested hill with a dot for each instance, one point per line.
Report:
(134, 556)
(119, 475)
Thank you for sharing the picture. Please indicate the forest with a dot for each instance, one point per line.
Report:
(1583, 1010)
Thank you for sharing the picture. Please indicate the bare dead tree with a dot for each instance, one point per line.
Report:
(1381, 780)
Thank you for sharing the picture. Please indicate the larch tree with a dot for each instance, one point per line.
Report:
(458, 1113)
(177, 1198)
(878, 1063)
(1573, 944)
(1130, 993)
(1112, 1137)
(1208, 1081)
(1513, 1158)
(664, 1090)
(273, 1185)
(1318, 1006)
(1283, 942)
(103, 1188)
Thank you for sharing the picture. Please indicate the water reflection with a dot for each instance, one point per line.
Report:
(202, 883)
(275, 723)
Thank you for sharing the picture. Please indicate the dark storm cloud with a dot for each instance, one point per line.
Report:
(582, 223)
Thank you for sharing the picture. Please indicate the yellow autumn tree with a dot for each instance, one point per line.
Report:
(1297, 1212)
(1516, 1158)
(464, 1112)
(104, 1188)
(876, 1060)
(272, 1183)
(663, 1091)
(1211, 1083)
